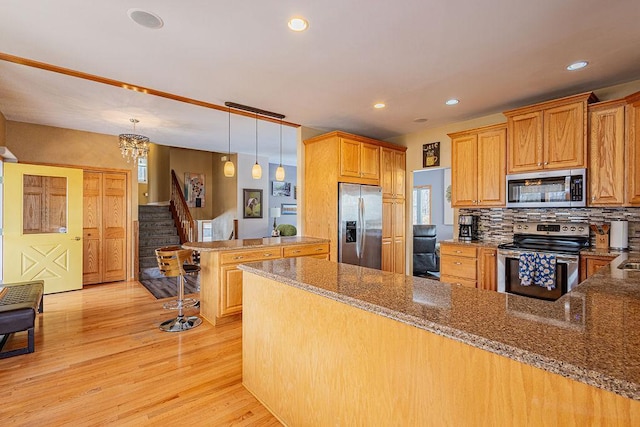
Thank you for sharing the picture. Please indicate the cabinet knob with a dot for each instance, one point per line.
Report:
(546, 163)
(457, 263)
(239, 257)
(539, 164)
(267, 255)
(593, 197)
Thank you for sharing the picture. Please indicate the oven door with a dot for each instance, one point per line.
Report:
(567, 269)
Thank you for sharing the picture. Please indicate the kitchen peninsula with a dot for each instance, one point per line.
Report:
(333, 344)
(220, 278)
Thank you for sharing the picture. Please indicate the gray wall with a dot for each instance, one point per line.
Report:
(435, 178)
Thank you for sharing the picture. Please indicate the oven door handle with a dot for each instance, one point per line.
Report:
(559, 258)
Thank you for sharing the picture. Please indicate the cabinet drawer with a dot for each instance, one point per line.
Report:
(248, 256)
(457, 266)
(458, 250)
(305, 250)
(457, 280)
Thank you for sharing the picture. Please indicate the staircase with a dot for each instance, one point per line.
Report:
(157, 229)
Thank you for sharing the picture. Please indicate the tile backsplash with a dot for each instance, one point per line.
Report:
(496, 224)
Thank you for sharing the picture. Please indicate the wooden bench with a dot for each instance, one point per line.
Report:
(18, 305)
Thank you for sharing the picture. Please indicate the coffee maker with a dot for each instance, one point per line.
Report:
(468, 227)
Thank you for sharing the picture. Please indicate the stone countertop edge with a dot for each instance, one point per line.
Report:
(567, 370)
(239, 244)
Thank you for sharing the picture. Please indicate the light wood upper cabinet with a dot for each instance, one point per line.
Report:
(633, 149)
(478, 167)
(392, 176)
(359, 160)
(549, 135)
(606, 153)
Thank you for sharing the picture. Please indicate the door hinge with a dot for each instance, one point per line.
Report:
(1, 179)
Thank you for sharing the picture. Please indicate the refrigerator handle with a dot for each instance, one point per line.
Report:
(363, 225)
(359, 229)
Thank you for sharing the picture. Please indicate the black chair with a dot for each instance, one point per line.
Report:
(425, 256)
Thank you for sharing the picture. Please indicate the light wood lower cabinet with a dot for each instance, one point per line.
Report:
(393, 257)
(220, 274)
(590, 264)
(468, 265)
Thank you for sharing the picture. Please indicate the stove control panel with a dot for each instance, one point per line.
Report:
(552, 228)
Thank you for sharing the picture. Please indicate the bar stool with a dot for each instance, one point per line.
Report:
(173, 261)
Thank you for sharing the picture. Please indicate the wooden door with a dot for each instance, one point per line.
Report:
(92, 228)
(464, 152)
(369, 161)
(105, 227)
(349, 158)
(114, 226)
(43, 226)
(564, 137)
(524, 142)
(606, 159)
(491, 169)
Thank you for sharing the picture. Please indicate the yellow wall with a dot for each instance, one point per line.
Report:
(159, 174)
(182, 160)
(3, 129)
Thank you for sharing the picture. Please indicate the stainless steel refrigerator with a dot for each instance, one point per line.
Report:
(360, 234)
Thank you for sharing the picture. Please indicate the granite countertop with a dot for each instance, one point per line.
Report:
(227, 245)
(591, 334)
(476, 243)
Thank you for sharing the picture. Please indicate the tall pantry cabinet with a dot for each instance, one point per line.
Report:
(342, 157)
(105, 212)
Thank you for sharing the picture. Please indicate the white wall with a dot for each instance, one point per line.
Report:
(249, 228)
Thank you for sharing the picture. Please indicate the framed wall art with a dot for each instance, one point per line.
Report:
(289, 209)
(252, 203)
(194, 189)
(281, 189)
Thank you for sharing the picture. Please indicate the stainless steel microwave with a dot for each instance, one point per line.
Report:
(558, 188)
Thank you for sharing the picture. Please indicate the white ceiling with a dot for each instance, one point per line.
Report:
(411, 54)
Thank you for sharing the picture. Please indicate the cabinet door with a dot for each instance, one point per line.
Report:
(464, 152)
(387, 255)
(230, 290)
(114, 222)
(524, 142)
(606, 160)
(487, 276)
(564, 137)
(398, 237)
(399, 173)
(349, 158)
(369, 161)
(492, 165)
(387, 172)
(633, 155)
(590, 264)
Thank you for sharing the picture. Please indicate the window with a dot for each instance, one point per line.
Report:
(142, 170)
(422, 205)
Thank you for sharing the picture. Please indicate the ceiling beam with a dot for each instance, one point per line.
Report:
(149, 91)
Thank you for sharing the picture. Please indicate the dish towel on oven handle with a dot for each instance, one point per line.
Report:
(537, 269)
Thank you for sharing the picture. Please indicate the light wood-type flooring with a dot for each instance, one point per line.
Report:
(100, 359)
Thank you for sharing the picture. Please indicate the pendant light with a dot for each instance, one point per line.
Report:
(229, 168)
(280, 169)
(256, 171)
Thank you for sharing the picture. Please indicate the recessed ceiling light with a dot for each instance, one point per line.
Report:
(298, 24)
(452, 101)
(145, 19)
(420, 120)
(379, 105)
(577, 65)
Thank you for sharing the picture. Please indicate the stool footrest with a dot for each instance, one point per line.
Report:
(175, 304)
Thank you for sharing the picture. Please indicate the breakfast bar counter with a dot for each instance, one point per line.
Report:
(220, 278)
(346, 344)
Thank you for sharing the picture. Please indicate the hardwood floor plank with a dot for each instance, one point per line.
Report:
(101, 359)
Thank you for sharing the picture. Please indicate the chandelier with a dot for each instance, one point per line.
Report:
(132, 145)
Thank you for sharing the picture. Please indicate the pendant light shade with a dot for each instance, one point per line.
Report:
(229, 168)
(280, 169)
(256, 171)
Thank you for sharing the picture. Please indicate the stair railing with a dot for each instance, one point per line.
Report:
(185, 224)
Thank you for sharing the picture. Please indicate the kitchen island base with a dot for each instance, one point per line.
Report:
(315, 361)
